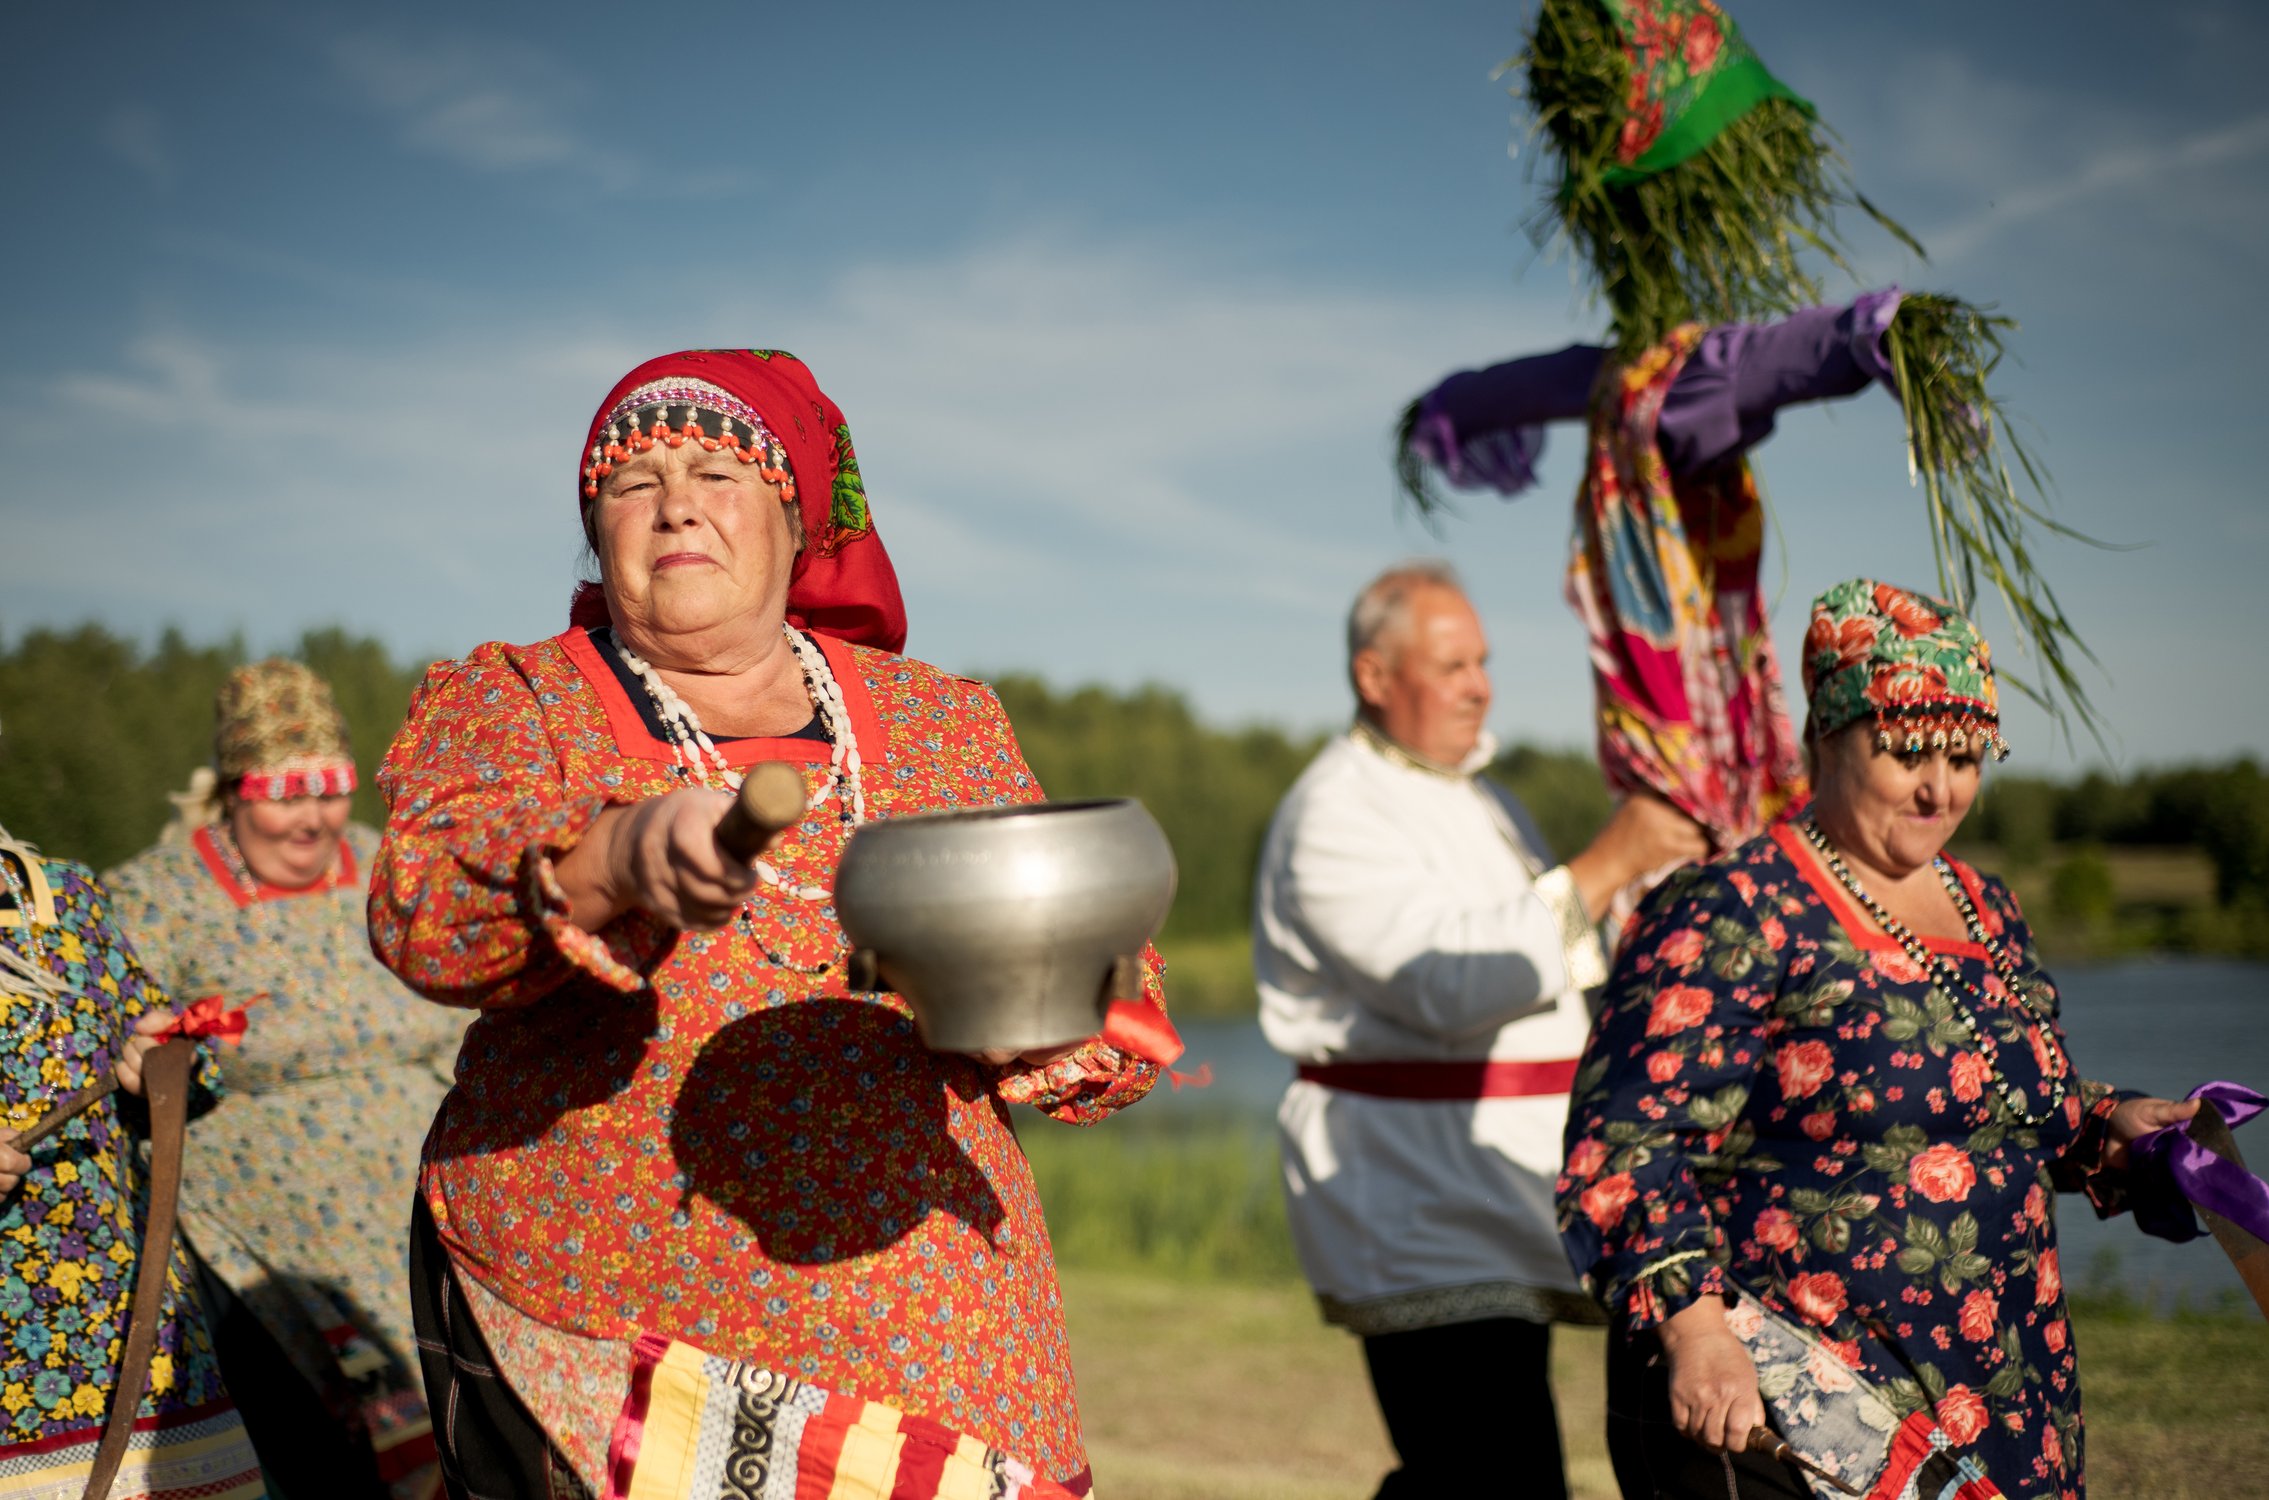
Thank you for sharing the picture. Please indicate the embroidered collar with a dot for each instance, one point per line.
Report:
(1393, 752)
(218, 853)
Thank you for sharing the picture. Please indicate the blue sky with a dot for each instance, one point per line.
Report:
(307, 309)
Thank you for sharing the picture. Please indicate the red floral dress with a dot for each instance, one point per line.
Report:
(1777, 1099)
(705, 1134)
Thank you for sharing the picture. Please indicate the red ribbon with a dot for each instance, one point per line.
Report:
(1140, 1027)
(210, 1017)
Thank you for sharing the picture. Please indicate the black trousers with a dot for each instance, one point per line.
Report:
(307, 1450)
(492, 1447)
(1469, 1409)
(1653, 1460)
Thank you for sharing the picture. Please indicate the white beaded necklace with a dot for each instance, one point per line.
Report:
(700, 757)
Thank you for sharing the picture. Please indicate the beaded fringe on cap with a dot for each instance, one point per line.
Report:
(1931, 726)
(677, 411)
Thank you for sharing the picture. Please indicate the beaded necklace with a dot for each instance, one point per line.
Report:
(251, 885)
(1949, 976)
(698, 758)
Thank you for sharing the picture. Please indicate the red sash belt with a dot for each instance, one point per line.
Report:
(1445, 1080)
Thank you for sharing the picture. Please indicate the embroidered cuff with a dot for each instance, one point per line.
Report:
(1092, 1082)
(547, 906)
(2081, 1168)
(1579, 939)
(1668, 1287)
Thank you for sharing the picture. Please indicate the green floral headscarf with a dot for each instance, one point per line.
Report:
(1692, 75)
(1913, 664)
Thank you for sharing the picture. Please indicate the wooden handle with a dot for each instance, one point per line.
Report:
(772, 798)
(1772, 1445)
(166, 1081)
(65, 1112)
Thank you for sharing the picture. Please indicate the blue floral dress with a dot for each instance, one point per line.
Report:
(1777, 1100)
(297, 1189)
(70, 1237)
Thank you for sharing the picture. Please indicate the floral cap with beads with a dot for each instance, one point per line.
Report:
(1913, 664)
(765, 407)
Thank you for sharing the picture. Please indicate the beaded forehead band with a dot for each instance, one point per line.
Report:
(675, 411)
(283, 786)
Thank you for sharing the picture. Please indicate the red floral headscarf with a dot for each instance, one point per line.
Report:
(765, 406)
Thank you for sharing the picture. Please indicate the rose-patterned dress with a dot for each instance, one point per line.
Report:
(709, 1135)
(71, 1235)
(1777, 1099)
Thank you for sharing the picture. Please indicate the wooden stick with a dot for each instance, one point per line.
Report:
(1771, 1444)
(772, 798)
(64, 1113)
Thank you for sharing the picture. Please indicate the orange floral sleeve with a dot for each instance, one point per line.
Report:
(464, 903)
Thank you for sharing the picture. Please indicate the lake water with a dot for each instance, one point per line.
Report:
(2160, 1025)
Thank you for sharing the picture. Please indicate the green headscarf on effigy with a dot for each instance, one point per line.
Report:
(1692, 75)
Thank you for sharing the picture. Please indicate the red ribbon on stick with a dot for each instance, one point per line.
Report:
(211, 1017)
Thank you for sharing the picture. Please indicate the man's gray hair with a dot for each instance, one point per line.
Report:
(1385, 602)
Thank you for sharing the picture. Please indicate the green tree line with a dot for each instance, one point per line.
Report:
(96, 729)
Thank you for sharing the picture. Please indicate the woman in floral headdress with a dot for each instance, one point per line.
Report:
(79, 1008)
(701, 1215)
(1822, 1109)
(293, 1190)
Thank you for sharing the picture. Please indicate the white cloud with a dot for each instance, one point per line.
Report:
(480, 105)
(1097, 460)
(2110, 170)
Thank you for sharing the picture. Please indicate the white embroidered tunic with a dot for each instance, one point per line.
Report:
(1403, 915)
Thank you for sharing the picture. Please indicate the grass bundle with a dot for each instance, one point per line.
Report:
(1959, 446)
(1716, 239)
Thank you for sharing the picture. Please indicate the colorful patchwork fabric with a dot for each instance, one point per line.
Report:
(1692, 75)
(1775, 1099)
(70, 1237)
(697, 1427)
(345, 1063)
(710, 1135)
(1840, 1422)
(1664, 577)
(1914, 665)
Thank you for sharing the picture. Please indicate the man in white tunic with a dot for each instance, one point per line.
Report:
(1422, 959)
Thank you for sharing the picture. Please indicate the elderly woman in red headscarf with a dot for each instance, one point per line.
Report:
(698, 1212)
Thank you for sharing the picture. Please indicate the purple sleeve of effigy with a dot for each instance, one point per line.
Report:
(1725, 400)
(2169, 1172)
(1485, 428)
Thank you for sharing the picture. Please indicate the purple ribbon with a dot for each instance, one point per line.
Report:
(2169, 1172)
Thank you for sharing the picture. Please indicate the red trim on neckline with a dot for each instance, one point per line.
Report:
(1855, 925)
(633, 738)
(343, 874)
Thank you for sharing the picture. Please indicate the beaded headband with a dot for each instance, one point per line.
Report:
(680, 409)
(305, 781)
(1913, 664)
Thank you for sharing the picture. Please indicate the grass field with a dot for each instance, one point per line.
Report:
(1205, 1374)
(1212, 1390)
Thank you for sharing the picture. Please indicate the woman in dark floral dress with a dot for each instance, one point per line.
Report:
(1821, 1113)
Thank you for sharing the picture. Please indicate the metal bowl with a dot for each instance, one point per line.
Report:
(1003, 927)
